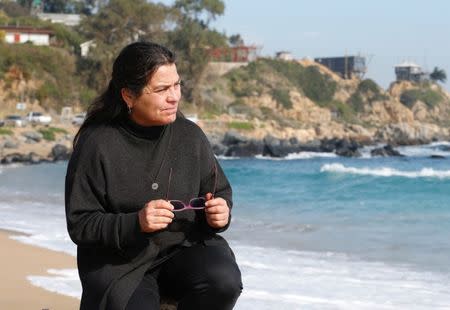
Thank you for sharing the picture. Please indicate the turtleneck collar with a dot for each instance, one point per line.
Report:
(146, 132)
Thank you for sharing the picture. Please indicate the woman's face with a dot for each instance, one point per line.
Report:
(158, 103)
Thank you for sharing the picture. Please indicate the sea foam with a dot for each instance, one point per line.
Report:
(386, 171)
(62, 281)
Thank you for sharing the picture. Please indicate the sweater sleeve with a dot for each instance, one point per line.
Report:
(89, 220)
(210, 181)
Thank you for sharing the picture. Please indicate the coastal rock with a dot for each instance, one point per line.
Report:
(437, 157)
(13, 158)
(246, 149)
(347, 148)
(219, 149)
(33, 136)
(386, 112)
(310, 146)
(233, 137)
(10, 144)
(33, 158)
(60, 152)
(385, 151)
(410, 134)
(273, 147)
(445, 148)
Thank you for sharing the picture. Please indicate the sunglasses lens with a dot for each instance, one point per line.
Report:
(198, 203)
(177, 205)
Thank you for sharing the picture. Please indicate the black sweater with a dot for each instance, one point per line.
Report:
(109, 179)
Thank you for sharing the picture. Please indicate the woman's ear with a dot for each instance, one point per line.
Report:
(128, 97)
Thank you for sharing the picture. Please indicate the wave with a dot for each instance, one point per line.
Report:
(386, 171)
(278, 279)
(300, 155)
(63, 281)
(222, 157)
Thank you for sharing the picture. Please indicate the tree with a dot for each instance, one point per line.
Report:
(115, 25)
(438, 75)
(236, 40)
(194, 9)
(192, 39)
(13, 9)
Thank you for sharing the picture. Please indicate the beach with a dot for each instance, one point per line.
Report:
(19, 261)
(309, 231)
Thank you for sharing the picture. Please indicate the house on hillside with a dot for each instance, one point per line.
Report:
(284, 55)
(347, 66)
(23, 34)
(66, 19)
(409, 71)
(85, 47)
(241, 53)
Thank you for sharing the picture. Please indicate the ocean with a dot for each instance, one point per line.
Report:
(310, 231)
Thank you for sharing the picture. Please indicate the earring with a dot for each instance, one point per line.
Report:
(129, 109)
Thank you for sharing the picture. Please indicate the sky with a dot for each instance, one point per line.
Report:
(386, 32)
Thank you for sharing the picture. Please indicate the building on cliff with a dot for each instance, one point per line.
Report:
(240, 53)
(347, 66)
(408, 71)
(25, 34)
(284, 55)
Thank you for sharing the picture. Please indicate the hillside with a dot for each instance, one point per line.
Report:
(305, 100)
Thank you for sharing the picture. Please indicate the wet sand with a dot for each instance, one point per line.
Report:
(20, 260)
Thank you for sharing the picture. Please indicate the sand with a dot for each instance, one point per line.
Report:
(19, 260)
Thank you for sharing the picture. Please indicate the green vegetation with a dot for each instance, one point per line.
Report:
(343, 111)
(315, 85)
(6, 131)
(282, 97)
(430, 97)
(50, 132)
(367, 92)
(68, 78)
(438, 75)
(277, 76)
(241, 125)
(54, 68)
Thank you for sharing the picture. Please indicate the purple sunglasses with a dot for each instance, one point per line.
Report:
(195, 203)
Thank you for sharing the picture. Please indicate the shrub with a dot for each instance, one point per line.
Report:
(49, 133)
(368, 91)
(262, 73)
(241, 125)
(357, 102)
(282, 97)
(317, 86)
(428, 96)
(345, 111)
(6, 131)
(368, 85)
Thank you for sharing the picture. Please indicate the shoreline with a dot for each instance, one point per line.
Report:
(20, 260)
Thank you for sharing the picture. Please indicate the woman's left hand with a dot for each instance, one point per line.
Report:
(217, 211)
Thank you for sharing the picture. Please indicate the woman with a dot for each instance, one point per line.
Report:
(135, 166)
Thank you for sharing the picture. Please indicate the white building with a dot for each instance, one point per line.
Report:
(85, 47)
(66, 19)
(284, 55)
(36, 36)
(409, 71)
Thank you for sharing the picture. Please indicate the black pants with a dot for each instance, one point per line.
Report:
(198, 277)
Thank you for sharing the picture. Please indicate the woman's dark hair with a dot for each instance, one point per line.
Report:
(132, 69)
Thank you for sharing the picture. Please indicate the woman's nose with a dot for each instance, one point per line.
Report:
(173, 93)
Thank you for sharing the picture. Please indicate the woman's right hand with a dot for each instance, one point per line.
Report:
(156, 215)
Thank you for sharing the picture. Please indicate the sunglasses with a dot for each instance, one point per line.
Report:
(197, 203)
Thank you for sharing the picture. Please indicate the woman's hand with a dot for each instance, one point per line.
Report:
(217, 211)
(156, 215)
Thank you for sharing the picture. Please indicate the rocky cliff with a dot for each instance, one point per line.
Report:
(306, 101)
